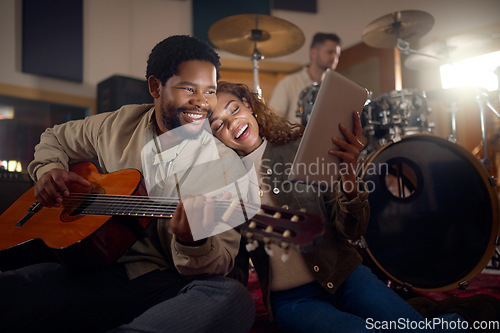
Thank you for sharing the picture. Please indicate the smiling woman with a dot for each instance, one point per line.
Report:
(235, 124)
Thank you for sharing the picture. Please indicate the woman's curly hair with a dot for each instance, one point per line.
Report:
(274, 128)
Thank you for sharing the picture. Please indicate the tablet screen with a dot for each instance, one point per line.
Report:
(338, 97)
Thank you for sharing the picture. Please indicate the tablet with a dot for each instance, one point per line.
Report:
(337, 98)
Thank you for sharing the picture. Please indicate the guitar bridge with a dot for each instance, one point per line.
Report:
(31, 211)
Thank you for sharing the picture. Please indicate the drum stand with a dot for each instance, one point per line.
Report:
(453, 122)
(256, 57)
(482, 100)
(404, 47)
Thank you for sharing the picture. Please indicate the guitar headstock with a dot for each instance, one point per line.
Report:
(283, 227)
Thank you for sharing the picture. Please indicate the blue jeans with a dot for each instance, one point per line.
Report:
(363, 303)
(47, 298)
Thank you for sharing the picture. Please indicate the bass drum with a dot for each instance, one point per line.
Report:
(434, 213)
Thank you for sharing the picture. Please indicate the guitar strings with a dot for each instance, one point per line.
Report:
(135, 205)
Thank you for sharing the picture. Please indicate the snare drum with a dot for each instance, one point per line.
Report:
(434, 214)
(397, 113)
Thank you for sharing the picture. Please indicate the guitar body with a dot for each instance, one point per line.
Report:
(80, 242)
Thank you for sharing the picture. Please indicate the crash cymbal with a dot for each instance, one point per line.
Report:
(238, 33)
(448, 50)
(384, 31)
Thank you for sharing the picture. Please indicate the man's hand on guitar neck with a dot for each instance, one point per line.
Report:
(201, 213)
(53, 186)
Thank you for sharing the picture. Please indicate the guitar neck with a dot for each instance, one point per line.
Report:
(263, 223)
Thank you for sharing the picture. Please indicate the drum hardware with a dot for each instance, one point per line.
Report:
(497, 73)
(453, 122)
(257, 36)
(451, 97)
(395, 114)
(445, 51)
(449, 51)
(391, 30)
(495, 260)
(386, 31)
(305, 103)
(483, 102)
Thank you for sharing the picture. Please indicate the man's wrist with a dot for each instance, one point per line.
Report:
(193, 243)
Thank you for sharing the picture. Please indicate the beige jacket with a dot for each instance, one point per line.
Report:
(114, 141)
(286, 95)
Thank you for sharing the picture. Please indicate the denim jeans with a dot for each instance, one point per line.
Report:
(47, 298)
(362, 303)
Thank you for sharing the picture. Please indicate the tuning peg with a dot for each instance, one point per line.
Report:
(302, 210)
(285, 207)
(277, 215)
(285, 255)
(269, 251)
(267, 246)
(251, 246)
(295, 218)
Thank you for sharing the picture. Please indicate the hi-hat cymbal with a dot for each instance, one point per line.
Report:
(384, 31)
(238, 33)
(448, 50)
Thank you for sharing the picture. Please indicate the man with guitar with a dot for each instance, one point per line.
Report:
(168, 280)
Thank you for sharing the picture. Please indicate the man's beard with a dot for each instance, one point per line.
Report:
(171, 120)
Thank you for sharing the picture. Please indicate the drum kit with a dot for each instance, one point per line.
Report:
(434, 221)
(434, 209)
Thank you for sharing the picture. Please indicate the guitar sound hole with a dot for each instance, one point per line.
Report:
(74, 208)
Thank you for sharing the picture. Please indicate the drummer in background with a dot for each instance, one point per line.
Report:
(324, 53)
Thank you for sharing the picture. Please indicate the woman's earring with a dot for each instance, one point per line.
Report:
(254, 115)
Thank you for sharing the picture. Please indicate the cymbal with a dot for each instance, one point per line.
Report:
(448, 50)
(239, 34)
(384, 31)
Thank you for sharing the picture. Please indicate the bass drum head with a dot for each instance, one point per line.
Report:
(434, 213)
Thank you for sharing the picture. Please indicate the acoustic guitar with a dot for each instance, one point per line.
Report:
(92, 228)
